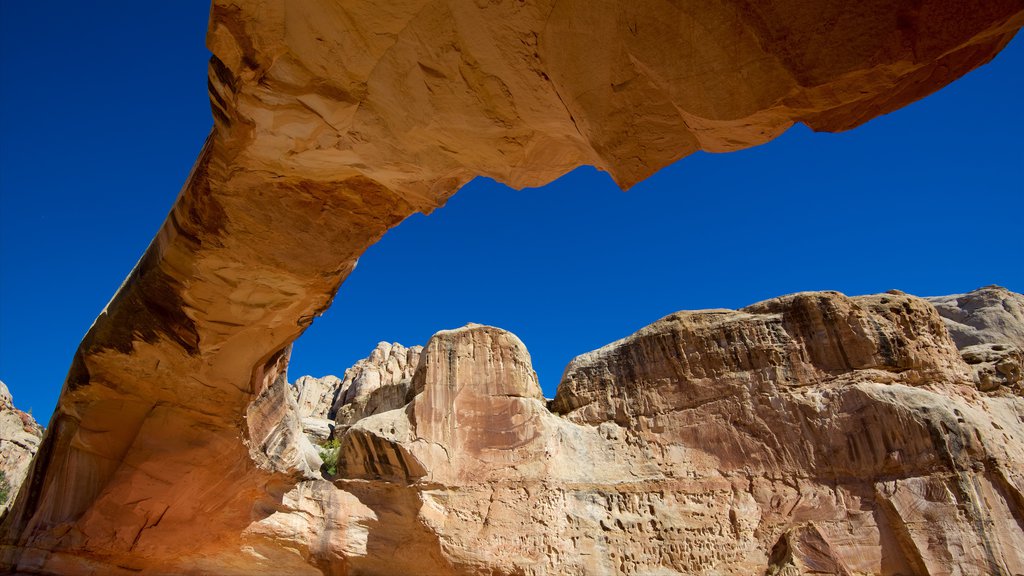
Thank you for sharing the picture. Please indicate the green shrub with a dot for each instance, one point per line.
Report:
(5, 488)
(330, 451)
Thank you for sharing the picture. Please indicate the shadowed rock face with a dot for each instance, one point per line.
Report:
(345, 118)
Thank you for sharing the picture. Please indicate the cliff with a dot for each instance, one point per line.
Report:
(808, 434)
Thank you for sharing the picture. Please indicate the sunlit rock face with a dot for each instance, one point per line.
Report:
(378, 383)
(988, 327)
(333, 122)
(808, 434)
(19, 441)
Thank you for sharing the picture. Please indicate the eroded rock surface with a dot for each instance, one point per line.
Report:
(988, 315)
(377, 384)
(333, 122)
(807, 434)
(20, 435)
(988, 327)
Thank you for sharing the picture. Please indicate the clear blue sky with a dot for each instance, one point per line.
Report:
(104, 110)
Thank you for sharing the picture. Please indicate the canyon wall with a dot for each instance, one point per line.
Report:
(808, 434)
(345, 118)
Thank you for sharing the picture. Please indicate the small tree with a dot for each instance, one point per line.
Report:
(5, 488)
(330, 452)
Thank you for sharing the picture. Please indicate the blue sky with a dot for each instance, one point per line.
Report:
(104, 109)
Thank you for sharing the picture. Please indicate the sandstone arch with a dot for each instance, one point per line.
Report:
(350, 117)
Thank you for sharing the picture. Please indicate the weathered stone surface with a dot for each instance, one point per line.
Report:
(375, 384)
(379, 383)
(19, 440)
(808, 434)
(315, 396)
(341, 120)
(478, 415)
(791, 341)
(988, 327)
(277, 439)
(989, 315)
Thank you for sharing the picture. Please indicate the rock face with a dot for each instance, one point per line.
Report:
(808, 434)
(988, 327)
(375, 384)
(333, 122)
(314, 397)
(989, 315)
(866, 397)
(19, 440)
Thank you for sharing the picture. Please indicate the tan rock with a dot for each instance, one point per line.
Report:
(812, 433)
(376, 384)
(477, 412)
(989, 315)
(687, 359)
(988, 326)
(170, 439)
(19, 441)
(315, 396)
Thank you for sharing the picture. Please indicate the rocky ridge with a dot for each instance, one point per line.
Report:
(808, 434)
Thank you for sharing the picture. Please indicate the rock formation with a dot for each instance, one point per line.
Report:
(375, 384)
(988, 327)
(344, 119)
(314, 397)
(808, 434)
(19, 440)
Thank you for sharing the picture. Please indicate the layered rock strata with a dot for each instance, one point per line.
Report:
(333, 122)
(808, 434)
